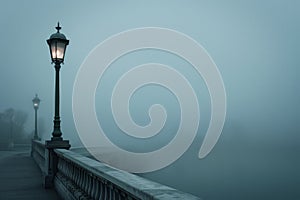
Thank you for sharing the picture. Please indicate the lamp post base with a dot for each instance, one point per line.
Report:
(57, 144)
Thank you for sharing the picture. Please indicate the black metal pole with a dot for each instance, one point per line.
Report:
(35, 125)
(11, 134)
(56, 135)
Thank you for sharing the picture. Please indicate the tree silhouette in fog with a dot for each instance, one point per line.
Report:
(12, 127)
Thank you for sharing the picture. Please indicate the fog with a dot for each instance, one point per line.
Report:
(255, 45)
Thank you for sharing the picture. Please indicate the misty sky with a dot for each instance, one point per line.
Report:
(255, 45)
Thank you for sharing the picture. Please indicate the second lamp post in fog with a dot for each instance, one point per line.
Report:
(36, 103)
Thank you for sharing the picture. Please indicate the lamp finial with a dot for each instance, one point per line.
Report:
(58, 27)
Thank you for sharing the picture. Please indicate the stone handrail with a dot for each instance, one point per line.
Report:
(86, 178)
(78, 177)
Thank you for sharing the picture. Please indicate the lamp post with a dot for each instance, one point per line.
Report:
(11, 114)
(57, 44)
(36, 103)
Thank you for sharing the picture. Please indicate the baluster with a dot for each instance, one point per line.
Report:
(82, 179)
(61, 162)
(89, 188)
(73, 175)
(102, 191)
(65, 166)
(129, 197)
(117, 194)
(70, 171)
(59, 165)
(90, 184)
(122, 195)
(85, 181)
(107, 191)
(93, 187)
(79, 176)
(97, 187)
(111, 191)
(74, 172)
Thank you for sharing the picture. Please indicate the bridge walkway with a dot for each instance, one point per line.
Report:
(20, 177)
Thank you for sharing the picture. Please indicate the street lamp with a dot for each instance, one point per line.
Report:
(36, 103)
(57, 44)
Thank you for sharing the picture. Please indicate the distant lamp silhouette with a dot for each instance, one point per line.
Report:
(36, 103)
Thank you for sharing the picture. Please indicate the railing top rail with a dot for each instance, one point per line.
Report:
(38, 142)
(138, 186)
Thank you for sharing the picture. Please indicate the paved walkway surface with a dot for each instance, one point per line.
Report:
(20, 177)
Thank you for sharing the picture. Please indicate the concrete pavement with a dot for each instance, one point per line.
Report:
(20, 177)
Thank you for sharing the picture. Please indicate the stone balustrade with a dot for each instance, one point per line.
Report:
(79, 177)
(38, 152)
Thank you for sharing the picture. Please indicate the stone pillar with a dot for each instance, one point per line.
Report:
(51, 160)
